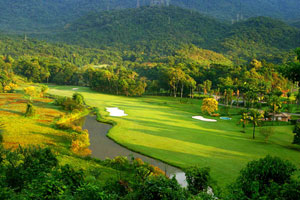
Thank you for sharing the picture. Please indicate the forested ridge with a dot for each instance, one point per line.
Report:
(26, 15)
(153, 32)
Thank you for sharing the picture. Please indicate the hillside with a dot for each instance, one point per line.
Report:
(260, 37)
(154, 32)
(40, 15)
(148, 30)
(19, 46)
(296, 24)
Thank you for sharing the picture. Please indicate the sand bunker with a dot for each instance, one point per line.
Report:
(204, 119)
(75, 89)
(116, 112)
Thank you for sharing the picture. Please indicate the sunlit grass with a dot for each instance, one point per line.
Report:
(162, 127)
(18, 130)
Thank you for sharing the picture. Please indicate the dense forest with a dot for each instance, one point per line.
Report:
(21, 15)
(153, 32)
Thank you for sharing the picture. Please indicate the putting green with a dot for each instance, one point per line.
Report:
(163, 128)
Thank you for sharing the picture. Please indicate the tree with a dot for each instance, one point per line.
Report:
(297, 134)
(30, 92)
(297, 51)
(78, 98)
(159, 188)
(207, 86)
(275, 104)
(264, 179)
(209, 105)
(255, 118)
(30, 111)
(244, 119)
(198, 179)
(44, 90)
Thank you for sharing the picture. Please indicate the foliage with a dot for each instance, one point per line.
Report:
(76, 103)
(297, 134)
(255, 118)
(244, 119)
(30, 92)
(81, 143)
(30, 111)
(44, 90)
(36, 16)
(78, 98)
(209, 105)
(198, 179)
(160, 188)
(10, 88)
(264, 179)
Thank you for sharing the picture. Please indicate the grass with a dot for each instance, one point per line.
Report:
(162, 127)
(39, 130)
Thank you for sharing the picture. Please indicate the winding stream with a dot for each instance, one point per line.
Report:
(102, 147)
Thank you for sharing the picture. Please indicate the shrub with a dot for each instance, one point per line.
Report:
(80, 144)
(297, 134)
(30, 111)
(44, 90)
(78, 98)
(198, 179)
(262, 179)
(159, 188)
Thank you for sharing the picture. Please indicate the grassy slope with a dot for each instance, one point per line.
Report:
(19, 130)
(163, 128)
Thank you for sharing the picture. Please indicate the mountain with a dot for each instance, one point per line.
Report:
(296, 24)
(39, 15)
(243, 9)
(260, 37)
(160, 31)
(146, 30)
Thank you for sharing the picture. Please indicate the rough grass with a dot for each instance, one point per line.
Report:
(162, 127)
(39, 130)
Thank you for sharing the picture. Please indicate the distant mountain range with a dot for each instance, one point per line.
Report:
(37, 15)
(157, 31)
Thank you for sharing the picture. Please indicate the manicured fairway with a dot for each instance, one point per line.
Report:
(162, 127)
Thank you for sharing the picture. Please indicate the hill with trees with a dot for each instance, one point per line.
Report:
(40, 15)
(153, 32)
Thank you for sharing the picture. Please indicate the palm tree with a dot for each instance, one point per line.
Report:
(255, 118)
(244, 119)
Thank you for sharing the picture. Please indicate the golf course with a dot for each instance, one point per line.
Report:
(163, 128)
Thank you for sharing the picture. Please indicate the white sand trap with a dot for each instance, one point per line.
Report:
(75, 89)
(204, 119)
(116, 112)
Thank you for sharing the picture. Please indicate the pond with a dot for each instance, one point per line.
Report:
(103, 147)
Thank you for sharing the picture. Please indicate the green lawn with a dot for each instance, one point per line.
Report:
(162, 127)
(39, 130)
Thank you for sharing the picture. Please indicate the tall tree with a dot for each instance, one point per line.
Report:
(255, 118)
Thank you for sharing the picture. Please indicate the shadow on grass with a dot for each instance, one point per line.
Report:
(59, 140)
(12, 111)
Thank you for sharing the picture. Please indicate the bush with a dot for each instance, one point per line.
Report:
(297, 134)
(262, 179)
(30, 111)
(159, 188)
(34, 173)
(69, 104)
(198, 179)
(78, 98)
